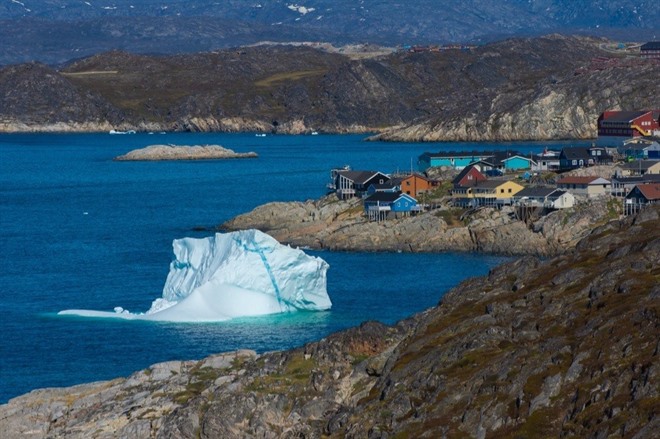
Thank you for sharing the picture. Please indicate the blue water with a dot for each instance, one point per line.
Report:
(78, 230)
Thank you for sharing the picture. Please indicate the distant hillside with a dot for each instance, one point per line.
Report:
(541, 88)
(57, 31)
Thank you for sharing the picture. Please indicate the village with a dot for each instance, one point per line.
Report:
(628, 150)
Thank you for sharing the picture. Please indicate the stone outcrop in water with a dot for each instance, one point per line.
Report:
(183, 152)
(562, 347)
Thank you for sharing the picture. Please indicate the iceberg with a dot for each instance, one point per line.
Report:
(237, 274)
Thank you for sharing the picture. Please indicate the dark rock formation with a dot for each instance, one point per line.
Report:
(555, 348)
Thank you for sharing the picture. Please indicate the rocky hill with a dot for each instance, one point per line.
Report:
(562, 347)
(543, 88)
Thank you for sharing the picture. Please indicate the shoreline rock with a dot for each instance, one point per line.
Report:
(337, 225)
(183, 152)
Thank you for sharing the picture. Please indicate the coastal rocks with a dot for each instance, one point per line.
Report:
(183, 152)
(341, 225)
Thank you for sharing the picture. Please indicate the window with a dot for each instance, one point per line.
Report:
(407, 183)
(574, 162)
(509, 190)
(502, 191)
(469, 177)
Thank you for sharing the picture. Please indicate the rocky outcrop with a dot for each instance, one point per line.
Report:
(183, 152)
(341, 225)
(562, 347)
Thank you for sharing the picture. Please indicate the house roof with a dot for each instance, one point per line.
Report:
(651, 45)
(651, 191)
(517, 156)
(415, 174)
(623, 116)
(387, 197)
(490, 184)
(576, 152)
(556, 194)
(639, 164)
(535, 192)
(594, 179)
(360, 177)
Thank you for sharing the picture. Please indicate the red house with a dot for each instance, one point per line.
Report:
(629, 123)
(468, 177)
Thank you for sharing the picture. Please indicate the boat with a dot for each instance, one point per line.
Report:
(260, 135)
(121, 132)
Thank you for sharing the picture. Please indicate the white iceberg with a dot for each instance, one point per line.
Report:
(238, 274)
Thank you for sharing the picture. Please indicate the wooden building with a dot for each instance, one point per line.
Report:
(628, 123)
(589, 187)
(416, 185)
(641, 196)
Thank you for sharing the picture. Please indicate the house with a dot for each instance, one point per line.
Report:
(574, 157)
(452, 159)
(496, 192)
(589, 187)
(560, 199)
(650, 50)
(468, 177)
(628, 123)
(640, 148)
(641, 196)
(356, 183)
(639, 167)
(486, 193)
(382, 205)
(517, 162)
(546, 161)
(547, 197)
(416, 185)
(621, 185)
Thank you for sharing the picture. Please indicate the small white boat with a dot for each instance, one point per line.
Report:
(121, 132)
(260, 135)
(315, 133)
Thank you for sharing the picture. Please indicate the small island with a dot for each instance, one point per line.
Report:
(183, 152)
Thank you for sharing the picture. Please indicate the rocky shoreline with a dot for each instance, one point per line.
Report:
(332, 224)
(183, 152)
(555, 348)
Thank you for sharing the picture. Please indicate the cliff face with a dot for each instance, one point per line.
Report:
(543, 88)
(566, 346)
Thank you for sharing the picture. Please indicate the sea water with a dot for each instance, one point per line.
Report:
(79, 230)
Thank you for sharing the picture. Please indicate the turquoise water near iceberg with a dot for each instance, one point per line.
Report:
(78, 230)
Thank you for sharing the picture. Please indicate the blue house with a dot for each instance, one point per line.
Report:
(458, 160)
(382, 205)
(517, 162)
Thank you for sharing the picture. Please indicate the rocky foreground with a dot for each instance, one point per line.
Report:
(183, 152)
(562, 347)
(332, 224)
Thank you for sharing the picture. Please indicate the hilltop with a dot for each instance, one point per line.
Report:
(539, 88)
(562, 347)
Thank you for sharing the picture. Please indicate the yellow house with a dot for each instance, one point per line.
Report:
(487, 193)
